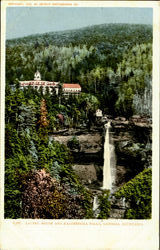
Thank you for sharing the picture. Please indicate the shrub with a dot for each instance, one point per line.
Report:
(104, 205)
(74, 143)
(137, 193)
(41, 197)
(44, 197)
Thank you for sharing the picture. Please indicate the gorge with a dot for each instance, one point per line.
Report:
(57, 147)
(110, 155)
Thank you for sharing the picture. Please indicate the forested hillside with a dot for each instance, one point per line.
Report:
(92, 56)
(113, 65)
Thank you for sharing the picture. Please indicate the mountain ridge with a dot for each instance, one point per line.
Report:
(99, 29)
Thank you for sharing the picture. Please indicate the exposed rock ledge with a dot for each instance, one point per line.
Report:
(90, 143)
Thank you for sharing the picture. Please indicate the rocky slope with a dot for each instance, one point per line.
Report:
(132, 142)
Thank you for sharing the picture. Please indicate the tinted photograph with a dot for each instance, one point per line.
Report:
(78, 113)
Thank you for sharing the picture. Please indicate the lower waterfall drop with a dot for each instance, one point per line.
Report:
(95, 203)
(95, 209)
(107, 178)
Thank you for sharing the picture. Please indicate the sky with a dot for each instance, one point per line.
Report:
(24, 21)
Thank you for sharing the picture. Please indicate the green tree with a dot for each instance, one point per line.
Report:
(43, 122)
(104, 205)
(137, 193)
(135, 72)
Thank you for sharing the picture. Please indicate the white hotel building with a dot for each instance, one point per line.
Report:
(37, 83)
(67, 88)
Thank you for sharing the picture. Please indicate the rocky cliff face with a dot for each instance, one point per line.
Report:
(133, 148)
(87, 155)
(132, 141)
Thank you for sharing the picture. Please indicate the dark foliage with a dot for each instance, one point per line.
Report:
(104, 205)
(137, 193)
(44, 197)
(94, 56)
(115, 74)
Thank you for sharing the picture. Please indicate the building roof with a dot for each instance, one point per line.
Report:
(38, 83)
(71, 85)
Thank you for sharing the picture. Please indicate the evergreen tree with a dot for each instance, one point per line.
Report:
(43, 122)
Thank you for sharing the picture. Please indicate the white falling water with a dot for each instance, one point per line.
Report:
(107, 180)
(96, 210)
(95, 203)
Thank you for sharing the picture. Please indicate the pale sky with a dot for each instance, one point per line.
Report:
(24, 21)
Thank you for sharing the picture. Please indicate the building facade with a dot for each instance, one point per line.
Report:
(71, 88)
(99, 113)
(37, 83)
(67, 88)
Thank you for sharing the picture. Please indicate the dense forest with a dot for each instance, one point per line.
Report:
(113, 65)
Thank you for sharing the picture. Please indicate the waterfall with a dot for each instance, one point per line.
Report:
(96, 210)
(107, 178)
(95, 203)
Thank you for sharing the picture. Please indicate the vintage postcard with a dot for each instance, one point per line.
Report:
(80, 124)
